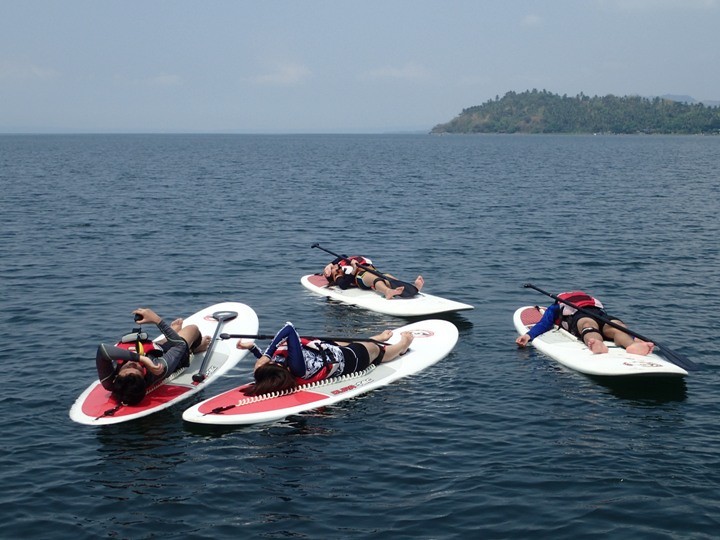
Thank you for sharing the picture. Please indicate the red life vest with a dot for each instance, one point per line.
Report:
(579, 299)
(346, 263)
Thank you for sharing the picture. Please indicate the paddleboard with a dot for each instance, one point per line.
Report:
(419, 305)
(433, 340)
(573, 353)
(90, 408)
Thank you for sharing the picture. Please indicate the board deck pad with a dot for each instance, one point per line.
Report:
(420, 305)
(433, 340)
(569, 351)
(95, 402)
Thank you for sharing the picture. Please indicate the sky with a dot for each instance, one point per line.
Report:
(333, 66)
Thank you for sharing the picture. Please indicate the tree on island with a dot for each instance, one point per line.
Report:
(536, 111)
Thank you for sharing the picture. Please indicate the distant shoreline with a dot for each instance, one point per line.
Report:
(541, 112)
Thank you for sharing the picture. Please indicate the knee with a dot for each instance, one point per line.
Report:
(587, 323)
(190, 332)
(373, 350)
(611, 330)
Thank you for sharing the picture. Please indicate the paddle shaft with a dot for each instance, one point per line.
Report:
(409, 290)
(321, 338)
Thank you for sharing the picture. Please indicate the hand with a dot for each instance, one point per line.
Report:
(523, 340)
(151, 366)
(245, 345)
(147, 316)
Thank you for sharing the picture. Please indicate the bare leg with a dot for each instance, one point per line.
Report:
(391, 351)
(399, 348)
(190, 334)
(594, 339)
(630, 344)
(371, 280)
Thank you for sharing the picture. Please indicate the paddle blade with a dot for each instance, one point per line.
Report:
(676, 358)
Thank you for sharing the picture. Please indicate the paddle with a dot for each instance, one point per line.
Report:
(334, 339)
(221, 317)
(676, 358)
(409, 289)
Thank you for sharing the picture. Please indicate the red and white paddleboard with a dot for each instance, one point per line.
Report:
(573, 353)
(92, 406)
(434, 339)
(419, 305)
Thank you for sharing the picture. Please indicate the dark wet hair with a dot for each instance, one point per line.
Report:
(130, 388)
(271, 378)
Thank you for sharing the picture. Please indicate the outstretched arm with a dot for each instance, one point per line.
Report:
(149, 316)
(546, 323)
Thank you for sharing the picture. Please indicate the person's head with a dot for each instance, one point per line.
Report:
(271, 377)
(332, 273)
(129, 385)
(328, 271)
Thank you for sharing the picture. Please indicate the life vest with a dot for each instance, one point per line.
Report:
(579, 299)
(346, 264)
(330, 364)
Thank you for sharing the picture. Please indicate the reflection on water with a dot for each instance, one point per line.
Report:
(646, 391)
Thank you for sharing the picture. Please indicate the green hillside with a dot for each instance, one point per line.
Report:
(543, 112)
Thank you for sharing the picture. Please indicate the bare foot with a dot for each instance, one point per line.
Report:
(406, 338)
(392, 293)
(204, 344)
(176, 325)
(419, 282)
(642, 348)
(384, 336)
(597, 346)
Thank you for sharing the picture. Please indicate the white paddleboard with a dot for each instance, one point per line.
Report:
(90, 408)
(434, 339)
(573, 353)
(419, 305)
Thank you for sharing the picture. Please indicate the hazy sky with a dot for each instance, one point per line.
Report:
(309, 66)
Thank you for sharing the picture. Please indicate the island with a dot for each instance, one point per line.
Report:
(540, 111)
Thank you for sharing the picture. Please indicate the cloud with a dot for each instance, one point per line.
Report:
(26, 72)
(530, 21)
(409, 72)
(283, 75)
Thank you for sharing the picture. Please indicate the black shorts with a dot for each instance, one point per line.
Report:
(575, 317)
(357, 358)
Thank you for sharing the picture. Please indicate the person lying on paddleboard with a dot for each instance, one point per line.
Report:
(128, 373)
(589, 330)
(290, 360)
(345, 273)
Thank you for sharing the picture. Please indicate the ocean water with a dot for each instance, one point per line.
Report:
(492, 442)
